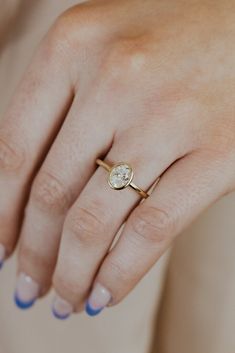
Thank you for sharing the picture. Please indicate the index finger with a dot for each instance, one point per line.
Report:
(26, 131)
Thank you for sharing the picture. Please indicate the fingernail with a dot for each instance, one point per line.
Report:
(98, 299)
(61, 309)
(27, 291)
(2, 255)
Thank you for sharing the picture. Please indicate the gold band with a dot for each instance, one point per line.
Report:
(120, 176)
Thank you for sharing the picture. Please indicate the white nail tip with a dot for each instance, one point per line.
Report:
(26, 288)
(100, 297)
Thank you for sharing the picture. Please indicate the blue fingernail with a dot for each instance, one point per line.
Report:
(58, 316)
(1, 264)
(61, 308)
(91, 311)
(26, 292)
(23, 305)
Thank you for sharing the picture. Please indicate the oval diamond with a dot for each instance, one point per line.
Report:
(120, 176)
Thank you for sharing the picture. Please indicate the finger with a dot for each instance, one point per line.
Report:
(185, 190)
(26, 131)
(94, 219)
(65, 171)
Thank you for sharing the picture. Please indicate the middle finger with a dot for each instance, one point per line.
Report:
(66, 169)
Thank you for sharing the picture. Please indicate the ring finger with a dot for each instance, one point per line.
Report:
(94, 219)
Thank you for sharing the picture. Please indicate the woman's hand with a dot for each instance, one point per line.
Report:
(150, 83)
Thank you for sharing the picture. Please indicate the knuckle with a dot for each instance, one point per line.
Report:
(62, 26)
(152, 224)
(56, 43)
(50, 194)
(127, 57)
(86, 225)
(70, 41)
(75, 26)
(11, 157)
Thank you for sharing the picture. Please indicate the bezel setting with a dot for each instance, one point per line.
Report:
(120, 176)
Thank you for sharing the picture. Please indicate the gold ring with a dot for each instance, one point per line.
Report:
(120, 176)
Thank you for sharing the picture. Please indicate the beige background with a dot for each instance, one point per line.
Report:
(197, 306)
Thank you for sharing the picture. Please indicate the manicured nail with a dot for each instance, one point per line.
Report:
(2, 255)
(61, 308)
(99, 298)
(27, 291)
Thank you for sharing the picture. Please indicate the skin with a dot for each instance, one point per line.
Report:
(150, 83)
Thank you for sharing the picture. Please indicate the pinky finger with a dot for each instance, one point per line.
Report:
(184, 191)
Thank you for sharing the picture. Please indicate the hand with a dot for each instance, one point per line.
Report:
(149, 83)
